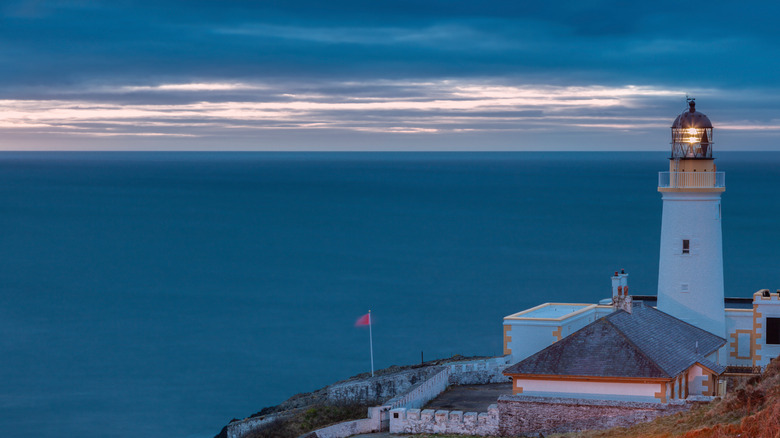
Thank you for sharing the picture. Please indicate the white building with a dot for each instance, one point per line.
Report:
(690, 292)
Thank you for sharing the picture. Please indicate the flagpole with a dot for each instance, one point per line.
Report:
(371, 342)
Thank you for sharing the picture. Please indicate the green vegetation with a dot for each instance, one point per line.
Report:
(752, 410)
(309, 419)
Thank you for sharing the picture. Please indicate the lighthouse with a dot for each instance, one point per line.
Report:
(690, 272)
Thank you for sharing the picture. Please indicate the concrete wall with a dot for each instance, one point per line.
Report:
(519, 415)
(455, 422)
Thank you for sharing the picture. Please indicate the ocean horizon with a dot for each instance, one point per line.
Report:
(165, 293)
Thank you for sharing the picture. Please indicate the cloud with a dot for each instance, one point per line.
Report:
(398, 108)
(428, 71)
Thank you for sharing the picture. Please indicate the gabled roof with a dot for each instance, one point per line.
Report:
(714, 367)
(645, 343)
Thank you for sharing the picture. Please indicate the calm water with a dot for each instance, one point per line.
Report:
(162, 294)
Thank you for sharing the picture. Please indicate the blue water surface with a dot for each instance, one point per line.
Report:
(162, 294)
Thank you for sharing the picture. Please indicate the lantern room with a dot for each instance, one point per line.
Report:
(692, 135)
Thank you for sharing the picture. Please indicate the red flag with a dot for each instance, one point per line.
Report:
(363, 320)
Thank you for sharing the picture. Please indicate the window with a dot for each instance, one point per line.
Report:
(686, 246)
(743, 345)
(684, 288)
(773, 330)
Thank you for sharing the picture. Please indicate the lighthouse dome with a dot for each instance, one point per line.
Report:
(692, 119)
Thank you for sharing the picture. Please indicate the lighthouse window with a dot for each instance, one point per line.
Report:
(686, 246)
(773, 330)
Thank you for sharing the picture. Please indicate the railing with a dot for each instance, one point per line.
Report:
(422, 394)
(691, 180)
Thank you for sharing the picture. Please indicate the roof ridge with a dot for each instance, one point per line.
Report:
(631, 342)
(693, 326)
(559, 344)
(697, 328)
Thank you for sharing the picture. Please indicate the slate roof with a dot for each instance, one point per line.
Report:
(645, 343)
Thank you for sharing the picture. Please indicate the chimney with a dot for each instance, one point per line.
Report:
(615, 284)
(620, 298)
(624, 281)
(627, 304)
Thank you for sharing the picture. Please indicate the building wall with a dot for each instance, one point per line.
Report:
(524, 337)
(739, 326)
(650, 392)
(701, 381)
(764, 307)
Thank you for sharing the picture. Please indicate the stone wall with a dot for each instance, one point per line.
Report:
(523, 415)
(379, 388)
(479, 372)
(404, 420)
(423, 392)
(241, 428)
(349, 428)
(404, 389)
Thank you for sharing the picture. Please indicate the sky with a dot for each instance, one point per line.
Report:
(433, 75)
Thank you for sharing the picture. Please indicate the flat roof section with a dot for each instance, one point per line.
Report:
(551, 311)
(470, 398)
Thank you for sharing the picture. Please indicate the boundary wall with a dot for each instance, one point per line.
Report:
(524, 415)
(439, 377)
(349, 428)
(404, 420)
(479, 372)
(378, 388)
(423, 392)
(239, 429)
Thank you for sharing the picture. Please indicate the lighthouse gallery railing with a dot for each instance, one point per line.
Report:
(691, 180)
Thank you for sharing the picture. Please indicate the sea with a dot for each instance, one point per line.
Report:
(162, 294)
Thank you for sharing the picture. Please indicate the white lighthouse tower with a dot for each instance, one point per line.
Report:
(690, 273)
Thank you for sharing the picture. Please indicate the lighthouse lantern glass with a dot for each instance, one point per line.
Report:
(692, 134)
(691, 142)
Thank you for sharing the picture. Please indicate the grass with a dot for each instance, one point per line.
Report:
(309, 419)
(752, 410)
